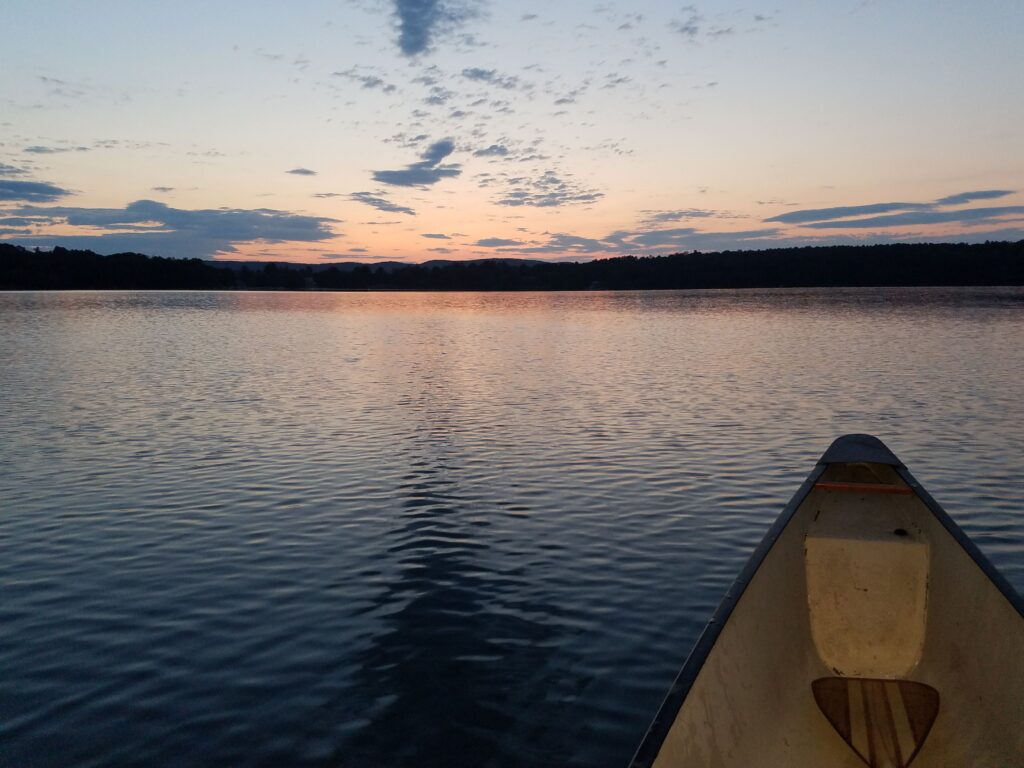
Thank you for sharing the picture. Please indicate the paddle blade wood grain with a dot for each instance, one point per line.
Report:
(884, 721)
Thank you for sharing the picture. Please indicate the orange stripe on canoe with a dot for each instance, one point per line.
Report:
(900, 490)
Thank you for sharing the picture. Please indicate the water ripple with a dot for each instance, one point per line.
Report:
(436, 529)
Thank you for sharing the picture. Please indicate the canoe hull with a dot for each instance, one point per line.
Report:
(860, 543)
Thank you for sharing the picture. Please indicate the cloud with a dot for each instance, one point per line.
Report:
(435, 236)
(63, 88)
(23, 221)
(380, 203)
(30, 191)
(643, 241)
(495, 150)
(651, 236)
(416, 175)
(614, 80)
(690, 237)
(353, 253)
(690, 25)
(419, 21)
(966, 197)
(842, 212)
(491, 77)
(899, 214)
(42, 150)
(10, 170)
(301, 172)
(964, 216)
(368, 82)
(663, 217)
(426, 172)
(497, 242)
(157, 229)
(547, 191)
(162, 189)
(438, 96)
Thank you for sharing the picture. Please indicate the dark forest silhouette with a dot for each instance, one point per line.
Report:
(990, 263)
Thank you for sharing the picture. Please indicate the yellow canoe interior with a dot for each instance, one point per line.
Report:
(867, 630)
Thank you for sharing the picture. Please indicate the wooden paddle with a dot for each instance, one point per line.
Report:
(884, 721)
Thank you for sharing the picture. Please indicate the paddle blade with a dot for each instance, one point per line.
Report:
(884, 721)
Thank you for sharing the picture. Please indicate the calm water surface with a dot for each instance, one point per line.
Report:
(436, 529)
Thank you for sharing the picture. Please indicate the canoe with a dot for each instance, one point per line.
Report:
(866, 629)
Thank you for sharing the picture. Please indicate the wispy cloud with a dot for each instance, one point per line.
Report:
(547, 191)
(921, 218)
(380, 203)
(892, 214)
(664, 217)
(369, 82)
(655, 240)
(427, 171)
(843, 212)
(614, 80)
(301, 172)
(11, 170)
(495, 150)
(435, 236)
(491, 77)
(967, 197)
(63, 88)
(689, 24)
(497, 242)
(157, 229)
(39, 149)
(30, 191)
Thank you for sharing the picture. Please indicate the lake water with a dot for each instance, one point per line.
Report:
(243, 529)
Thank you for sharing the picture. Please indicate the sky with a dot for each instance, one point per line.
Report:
(369, 130)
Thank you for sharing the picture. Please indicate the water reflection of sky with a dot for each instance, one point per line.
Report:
(450, 529)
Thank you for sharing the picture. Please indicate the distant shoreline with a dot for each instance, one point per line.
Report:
(989, 264)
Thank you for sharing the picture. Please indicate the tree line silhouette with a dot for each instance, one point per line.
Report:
(903, 264)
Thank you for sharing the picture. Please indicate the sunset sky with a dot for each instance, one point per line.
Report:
(421, 129)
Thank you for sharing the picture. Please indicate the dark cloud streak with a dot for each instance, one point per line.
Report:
(151, 227)
(900, 214)
(426, 172)
(30, 191)
(380, 203)
(920, 218)
(497, 242)
(419, 21)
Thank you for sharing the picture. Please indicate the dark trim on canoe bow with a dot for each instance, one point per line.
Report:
(659, 728)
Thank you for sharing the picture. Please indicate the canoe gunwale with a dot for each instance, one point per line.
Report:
(845, 449)
(998, 580)
(647, 753)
